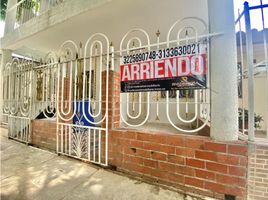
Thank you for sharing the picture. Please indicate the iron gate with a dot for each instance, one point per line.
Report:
(17, 92)
(82, 100)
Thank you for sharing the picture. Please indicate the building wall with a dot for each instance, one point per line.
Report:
(44, 134)
(191, 163)
(258, 172)
(259, 98)
(260, 86)
(188, 162)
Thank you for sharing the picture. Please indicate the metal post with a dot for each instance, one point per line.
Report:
(249, 46)
(112, 56)
(266, 64)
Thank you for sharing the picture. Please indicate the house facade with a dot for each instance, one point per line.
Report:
(148, 88)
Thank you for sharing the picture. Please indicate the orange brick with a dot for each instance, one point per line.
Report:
(228, 159)
(143, 153)
(194, 182)
(185, 170)
(180, 151)
(237, 171)
(155, 138)
(167, 149)
(230, 180)
(124, 142)
(189, 152)
(133, 167)
(175, 141)
(136, 160)
(176, 178)
(216, 167)
(243, 161)
(150, 163)
(128, 150)
(144, 137)
(194, 143)
(136, 143)
(168, 167)
(159, 156)
(159, 173)
(206, 155)
(176, 159)
(237, 149)
(205, 174)
(151, 146)
(129, 135)
(212, 146)
(215, 187)
(195, 163)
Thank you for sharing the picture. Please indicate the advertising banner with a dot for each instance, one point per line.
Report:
(175, 68)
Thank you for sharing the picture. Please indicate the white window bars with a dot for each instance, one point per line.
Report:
(28, 9)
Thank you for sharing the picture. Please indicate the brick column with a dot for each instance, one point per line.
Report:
(258, 171)
(113, 106)
(113, 99)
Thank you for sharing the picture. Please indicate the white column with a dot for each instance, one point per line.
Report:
(6, 56)
(223, 66)
(10, 16)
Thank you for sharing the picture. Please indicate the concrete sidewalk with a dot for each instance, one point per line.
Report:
(30, 173)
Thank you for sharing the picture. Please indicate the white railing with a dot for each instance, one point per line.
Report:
(189, 110)
(28, 9)
(82, 99)
(44, 84)
(17, 98)
(70, 87)
(253, 75)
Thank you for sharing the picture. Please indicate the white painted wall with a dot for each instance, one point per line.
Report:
(78, 19)
(260, 88)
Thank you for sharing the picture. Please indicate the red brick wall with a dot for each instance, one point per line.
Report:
(191, 163)
(258, 172)
(113, 98)
(44, 134)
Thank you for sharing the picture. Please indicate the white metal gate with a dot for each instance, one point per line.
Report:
(17, 90)
(82, 100)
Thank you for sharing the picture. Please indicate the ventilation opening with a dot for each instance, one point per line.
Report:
(113, 167)
(229, 197)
